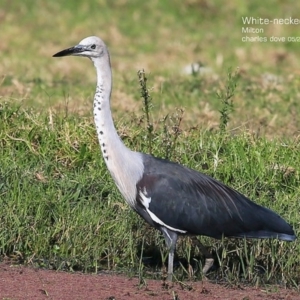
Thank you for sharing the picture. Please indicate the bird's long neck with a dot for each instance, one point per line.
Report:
(111, 144)
(125, 166)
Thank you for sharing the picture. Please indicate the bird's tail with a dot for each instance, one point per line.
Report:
(268, 224)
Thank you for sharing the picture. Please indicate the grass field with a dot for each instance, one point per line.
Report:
(59, 206)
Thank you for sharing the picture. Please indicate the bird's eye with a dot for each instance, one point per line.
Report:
(93, 46)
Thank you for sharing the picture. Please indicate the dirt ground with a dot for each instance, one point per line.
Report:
(20, 282)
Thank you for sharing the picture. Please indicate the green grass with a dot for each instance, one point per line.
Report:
(59, 206)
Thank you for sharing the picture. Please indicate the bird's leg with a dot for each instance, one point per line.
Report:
(208, 264)
(209, 261)
(171, 239)
(170, 263)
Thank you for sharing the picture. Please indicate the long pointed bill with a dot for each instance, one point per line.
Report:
(70, 51)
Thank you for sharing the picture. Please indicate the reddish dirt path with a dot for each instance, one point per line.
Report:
(20, 282)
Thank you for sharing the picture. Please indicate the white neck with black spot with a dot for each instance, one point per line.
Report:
(125, 166)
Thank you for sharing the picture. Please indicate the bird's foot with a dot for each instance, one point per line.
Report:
(208, 264)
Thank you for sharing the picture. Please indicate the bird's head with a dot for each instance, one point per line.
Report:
(92, 47)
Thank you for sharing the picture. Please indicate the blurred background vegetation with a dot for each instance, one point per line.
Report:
(164, 38)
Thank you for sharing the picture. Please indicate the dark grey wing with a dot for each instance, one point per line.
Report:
(191, 202)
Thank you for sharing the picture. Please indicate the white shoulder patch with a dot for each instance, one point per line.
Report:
(146, 201)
